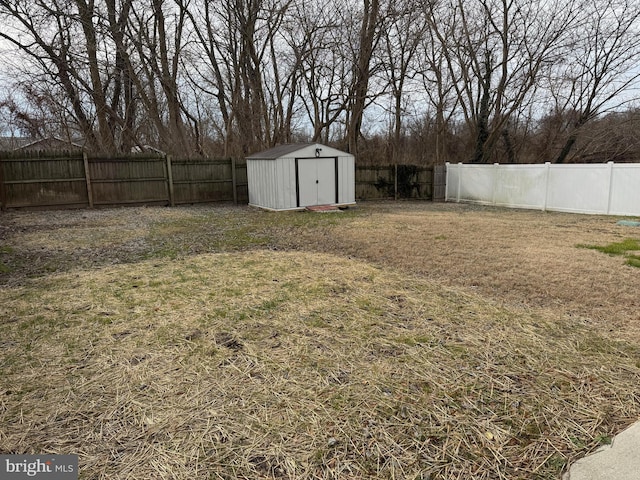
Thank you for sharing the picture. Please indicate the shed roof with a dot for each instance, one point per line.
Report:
(12, 143)
(279, 151)
(50, 143)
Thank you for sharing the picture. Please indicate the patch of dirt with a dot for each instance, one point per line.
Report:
(37, 243)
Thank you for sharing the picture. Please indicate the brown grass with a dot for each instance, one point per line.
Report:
(395, 341)
(516, 257)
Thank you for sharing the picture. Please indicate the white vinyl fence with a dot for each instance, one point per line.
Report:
(608, 188)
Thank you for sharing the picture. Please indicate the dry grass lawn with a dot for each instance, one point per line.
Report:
(395, 340)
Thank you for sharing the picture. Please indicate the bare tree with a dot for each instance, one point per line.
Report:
(242, 75)
(324, 67)
(404, 31)
(599, 67)
(213, 63)
(251, 69)
(369, 36)
(123, 102)
(496, 56)
(157, 37)
(46, 35)
(437, 80)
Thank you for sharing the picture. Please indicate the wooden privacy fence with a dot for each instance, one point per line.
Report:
(74, 179)
(400, 181)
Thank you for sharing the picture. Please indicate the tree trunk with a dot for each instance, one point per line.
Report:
(566, 149)
(106, 140)
(482, 122)
(362, 73)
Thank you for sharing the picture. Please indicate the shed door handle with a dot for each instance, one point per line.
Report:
(316, 181)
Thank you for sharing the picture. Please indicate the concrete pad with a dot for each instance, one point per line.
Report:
(618, 461)
(323, 208)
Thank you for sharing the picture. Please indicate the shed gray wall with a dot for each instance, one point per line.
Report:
(346, 179)
(272, 183)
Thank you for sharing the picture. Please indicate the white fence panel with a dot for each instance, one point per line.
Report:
(625, 189)
(520, 187)
(580, 188)
(451, 183)
(480, 189)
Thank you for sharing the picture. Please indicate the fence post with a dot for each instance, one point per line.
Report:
(87, 176)
(446, 181)
(494, 186)
(170, 180)
(234, 181)
(3, 192)
(547, 167)
(459, 181)
(395, 181)
(610, 186)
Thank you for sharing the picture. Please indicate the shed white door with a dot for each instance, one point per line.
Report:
(316, 181)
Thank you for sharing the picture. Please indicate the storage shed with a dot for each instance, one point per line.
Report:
(296, 176)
